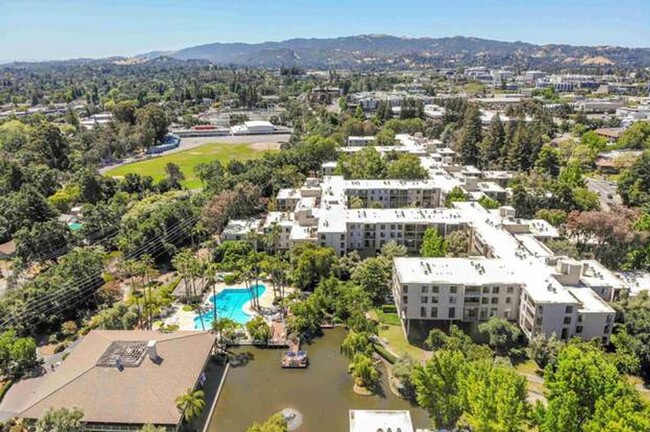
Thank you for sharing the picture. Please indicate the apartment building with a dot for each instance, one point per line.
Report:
(517, 278)
(361, 141)
(393, 193)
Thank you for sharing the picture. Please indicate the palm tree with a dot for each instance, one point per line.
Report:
(191, 404)
(189, 267)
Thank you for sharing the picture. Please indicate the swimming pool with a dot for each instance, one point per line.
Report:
(230, 303)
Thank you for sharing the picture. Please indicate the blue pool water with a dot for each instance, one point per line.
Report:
(229, 303)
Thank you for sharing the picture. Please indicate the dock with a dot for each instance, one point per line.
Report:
(293, 358)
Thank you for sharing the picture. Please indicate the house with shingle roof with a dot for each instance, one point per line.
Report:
(122, 380)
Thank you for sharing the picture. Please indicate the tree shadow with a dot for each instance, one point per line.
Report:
(240, 359)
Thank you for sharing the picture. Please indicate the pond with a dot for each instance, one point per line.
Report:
(256, 387)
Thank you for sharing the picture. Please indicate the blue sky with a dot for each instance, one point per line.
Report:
(60, 29)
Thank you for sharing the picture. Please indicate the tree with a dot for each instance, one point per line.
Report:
(152, 124)
(636, 136)
(406, 167)
(489, 203)
(433, 244)
(403, 371)
(124, 111)
(548, 161)
(494, 397)
(469, 136)
(502, 335)
(392, 249)
(457, 243)
(365, 164)
(226, 329)
(364, 371)
(191, 404)
(258, 329)
(493, 144)
(454, 195)
(580, 378)
(555, 217)
(61, 420)
(173, 175)
(310, 263)
(373, 275)
(275, 423)
(43, 241)
(49, 146)
(437, 388)
(357, 343)
(544, 350)
(17, 355)
(634, 183)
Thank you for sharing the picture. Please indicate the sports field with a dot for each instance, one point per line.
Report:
(188, 159)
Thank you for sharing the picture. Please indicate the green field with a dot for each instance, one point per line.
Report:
(188, 159)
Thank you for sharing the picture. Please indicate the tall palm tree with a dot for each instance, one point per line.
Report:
(187, 265)
(191, 404)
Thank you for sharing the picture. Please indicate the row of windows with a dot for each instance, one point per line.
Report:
(433, 312)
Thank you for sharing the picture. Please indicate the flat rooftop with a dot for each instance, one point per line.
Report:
(380, 420)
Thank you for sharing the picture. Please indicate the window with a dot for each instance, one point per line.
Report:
(485, 300)
(578, 329)
(495, 300)
(452, 312)
(510, 290)
(425, 289)
(565, 333)
(424, 299)
(392, 227)
(569, 309)
(434, 312)
(423, 312)
(405, 289)
(452, 299)
(495, 290)
(342, 236)
(486, 290)
(508, 300)
(435, 289)
(452, 290)
(581, 318)
(434, 300)
(567, 320)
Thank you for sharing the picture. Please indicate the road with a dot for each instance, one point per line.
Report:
(606, 191)
(190, 143)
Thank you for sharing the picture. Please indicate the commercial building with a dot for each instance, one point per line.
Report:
(254, 127)
(122, 380)
(380, 420)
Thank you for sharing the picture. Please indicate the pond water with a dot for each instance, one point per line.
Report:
(256, 387)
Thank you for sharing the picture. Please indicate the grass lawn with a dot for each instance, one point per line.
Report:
(398, 343)
(188, 159)
(387, 318)
(529, 367)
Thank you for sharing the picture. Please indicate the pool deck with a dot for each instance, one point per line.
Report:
(185, 319)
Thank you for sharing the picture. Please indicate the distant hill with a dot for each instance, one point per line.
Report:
(385, 50)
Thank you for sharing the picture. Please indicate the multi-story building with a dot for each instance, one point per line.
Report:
(393, 193)
(361, 141)
(517, 278)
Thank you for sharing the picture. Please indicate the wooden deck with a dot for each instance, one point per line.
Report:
(278, 335)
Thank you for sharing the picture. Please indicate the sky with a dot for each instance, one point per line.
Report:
(63, 29)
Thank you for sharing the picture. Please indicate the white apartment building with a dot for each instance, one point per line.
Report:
(517, 278)
(393, 193)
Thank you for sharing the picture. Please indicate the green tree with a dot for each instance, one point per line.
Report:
(502, 335)
(124, 111)
(275, 423)
(357, 343)
(403, 371)
(455, 194)
(310, 263)
(373, 275)
(636, 136)
(406, 167)
(469, 136)
(544, 350)
(364, 371)
(151, 428)
(173, 175)
(494, 397)
(152, 124)
(191, 404)
(437, 387)
(493, 144)
(226, 329)
(61, 420)
(580, 378)
(49, 146)
(258, 329)
(489, 203)
(548, 161)
(457, 243)
(634, 183)
(433, 244)
(392, 249)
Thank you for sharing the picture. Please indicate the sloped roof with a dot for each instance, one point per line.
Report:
(136, 395)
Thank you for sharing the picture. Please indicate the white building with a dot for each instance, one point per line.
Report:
(517, 278)
(380, 420)
(254, 127)
(361, 141)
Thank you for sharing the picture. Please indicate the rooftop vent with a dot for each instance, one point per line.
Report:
(123, 354)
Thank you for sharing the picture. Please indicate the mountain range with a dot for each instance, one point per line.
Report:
(366, 51)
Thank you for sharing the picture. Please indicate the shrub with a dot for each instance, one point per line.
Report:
(389, 308)
(390, 358)
(230, 279)
(60, 347)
